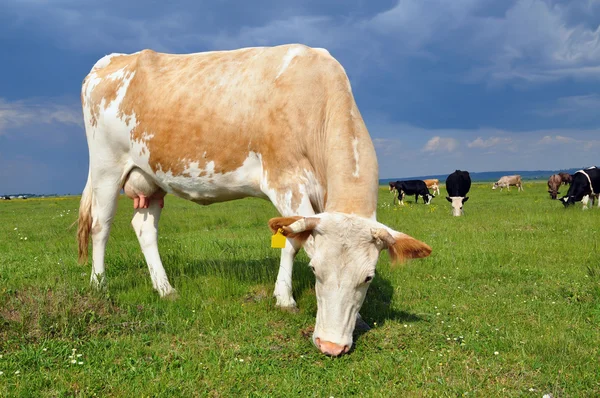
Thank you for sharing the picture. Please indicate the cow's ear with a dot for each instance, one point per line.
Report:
(465, 199)
(448, 199)
(401, 247)
(296, 227)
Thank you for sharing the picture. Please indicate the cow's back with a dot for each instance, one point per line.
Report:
(458, 183)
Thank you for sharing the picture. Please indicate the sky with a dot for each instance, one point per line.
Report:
(478, 85)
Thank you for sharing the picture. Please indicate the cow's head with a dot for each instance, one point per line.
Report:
(553, 193)
(567, 200)
(344, 256)
(428, 198)
(457, 204)
(496, 185)
(392, 187)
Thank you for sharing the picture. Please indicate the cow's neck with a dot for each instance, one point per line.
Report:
(351, 166)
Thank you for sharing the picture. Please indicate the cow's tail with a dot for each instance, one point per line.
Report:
(85, 220)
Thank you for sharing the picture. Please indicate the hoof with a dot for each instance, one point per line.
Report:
(292, 310)
(172, 295)
(98, 282)
(288, 305)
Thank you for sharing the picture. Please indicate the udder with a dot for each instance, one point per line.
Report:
(142, 189)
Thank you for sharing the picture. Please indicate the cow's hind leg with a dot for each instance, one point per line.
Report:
(145, 225)
(105, 191)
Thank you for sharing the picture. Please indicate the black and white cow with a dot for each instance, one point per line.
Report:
(458, 185)
(412, 187)
(585, 184)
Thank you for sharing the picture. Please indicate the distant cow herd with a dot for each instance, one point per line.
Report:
(584, 186)
(458, 185)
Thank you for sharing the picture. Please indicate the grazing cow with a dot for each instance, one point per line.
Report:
(393, 191)
(434, 185)
(554, 183)
(585, 184)
(508, 181)
(565, 177)
(276, 123)
(412, 187)
(458, 185)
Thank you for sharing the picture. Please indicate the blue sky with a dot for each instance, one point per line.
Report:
(473, 84)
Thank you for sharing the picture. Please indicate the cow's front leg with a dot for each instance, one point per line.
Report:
(585, 201)
(283, 285)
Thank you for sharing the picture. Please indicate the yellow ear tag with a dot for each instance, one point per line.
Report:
(278, 240)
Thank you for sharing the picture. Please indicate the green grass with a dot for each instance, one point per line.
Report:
(508, 304)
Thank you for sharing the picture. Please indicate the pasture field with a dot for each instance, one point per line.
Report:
(508, 304)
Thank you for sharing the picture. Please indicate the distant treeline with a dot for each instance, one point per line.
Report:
(490, 176)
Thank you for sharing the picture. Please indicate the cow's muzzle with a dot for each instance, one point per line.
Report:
(331, 349)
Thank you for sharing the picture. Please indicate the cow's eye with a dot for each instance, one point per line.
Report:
(368, 279)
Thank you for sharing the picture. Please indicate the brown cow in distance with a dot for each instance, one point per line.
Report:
(566, 178)
(433, 184)
(554, 183)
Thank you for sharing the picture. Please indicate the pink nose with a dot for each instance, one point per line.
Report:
(331, 349)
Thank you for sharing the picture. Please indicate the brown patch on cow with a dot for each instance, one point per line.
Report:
(407, 247)
(306, 119)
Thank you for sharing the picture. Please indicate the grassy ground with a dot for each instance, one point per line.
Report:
(508, 304)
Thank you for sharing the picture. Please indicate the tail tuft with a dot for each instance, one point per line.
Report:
(85, 222)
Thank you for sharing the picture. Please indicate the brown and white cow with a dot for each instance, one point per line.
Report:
(554, 183)
(508, 181)
(276, 123)
(434, 185)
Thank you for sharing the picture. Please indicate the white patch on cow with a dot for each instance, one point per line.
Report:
(193, 169)
(118, 74)
(205, 186)
(457, 205)
(356, 164)
(105, 61)
(314, 191)
(373, 216)
(584, 201)
(292, 53)
(112, 122)
(323, 51)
